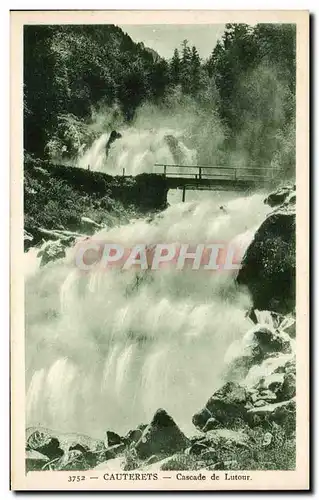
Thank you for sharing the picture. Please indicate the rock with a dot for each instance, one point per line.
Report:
(268, 267)
(226, 438)
(112, 439)
(266, 396)
(288, 389)
(76, 460)
(278, 386)
(227, 405)
(261, 344)
(273, 364)
(45, 444)
(68, 441)
(201, 418)
(272, 383)
(268, 438)
(289, 366)
(278, 197)
(161, 436)
(35, 460)
(80, 448)
(134, 435)
(81, 453)
(259, 403)
(231, 393)
(212, 423)
(270, 341)
(114, 135)
(196, 448)
(282, 413)
(113, 451)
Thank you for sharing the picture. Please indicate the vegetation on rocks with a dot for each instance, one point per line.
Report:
(61, 202)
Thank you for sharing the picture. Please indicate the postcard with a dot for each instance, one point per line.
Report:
(159, 250)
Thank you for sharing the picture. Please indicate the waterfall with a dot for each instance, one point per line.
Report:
(137, 151)
(104, 350)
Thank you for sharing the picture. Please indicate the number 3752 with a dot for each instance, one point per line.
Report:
(73, 479)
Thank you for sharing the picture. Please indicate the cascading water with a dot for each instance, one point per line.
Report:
(137, 151)
(105, 350)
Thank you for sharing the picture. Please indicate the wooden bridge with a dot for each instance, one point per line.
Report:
(219, 178)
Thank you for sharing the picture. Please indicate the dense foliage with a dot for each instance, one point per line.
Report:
(245, 89)
(57, 197)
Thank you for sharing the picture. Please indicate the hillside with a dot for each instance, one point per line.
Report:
(69, 69)
(81, 81)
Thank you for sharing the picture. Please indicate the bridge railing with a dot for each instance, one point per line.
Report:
(201, 172)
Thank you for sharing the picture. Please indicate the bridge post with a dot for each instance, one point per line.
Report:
(200, 173)
(165, 170)
(184, 193)
(123, 172)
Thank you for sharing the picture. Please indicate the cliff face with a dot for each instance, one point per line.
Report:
(59, 198)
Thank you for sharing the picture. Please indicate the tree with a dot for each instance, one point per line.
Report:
(195, 71)
(175, 68)
(159, 78)
(186, 63)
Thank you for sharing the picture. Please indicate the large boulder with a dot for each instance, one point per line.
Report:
(288, 388)
(269, 267)
(134, 435)
(269, 341)
(226, 406)
(44, 443)
(161, 437)
(112, 439)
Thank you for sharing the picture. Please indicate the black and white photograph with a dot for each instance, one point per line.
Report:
(160, 317)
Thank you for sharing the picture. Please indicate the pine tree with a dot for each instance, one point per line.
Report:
(195, 71)
(186, 68)
(175, 68)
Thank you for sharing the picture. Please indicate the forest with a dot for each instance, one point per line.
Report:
(243, 95)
